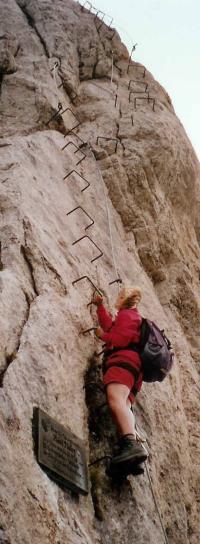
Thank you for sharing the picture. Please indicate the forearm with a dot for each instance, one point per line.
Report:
(104, 318)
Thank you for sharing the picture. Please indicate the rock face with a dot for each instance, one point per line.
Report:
(141, 180)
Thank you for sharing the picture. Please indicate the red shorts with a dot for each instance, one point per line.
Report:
(115, 374)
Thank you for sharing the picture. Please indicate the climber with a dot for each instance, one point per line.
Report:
(122, 373)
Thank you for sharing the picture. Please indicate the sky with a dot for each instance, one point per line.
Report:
(168, 36)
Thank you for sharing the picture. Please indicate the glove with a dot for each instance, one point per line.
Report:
(98, 332)
(97, 299)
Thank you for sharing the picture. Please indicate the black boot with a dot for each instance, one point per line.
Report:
(129, 451)
(119, 472)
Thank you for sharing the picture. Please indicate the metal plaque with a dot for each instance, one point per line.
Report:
(62, 453)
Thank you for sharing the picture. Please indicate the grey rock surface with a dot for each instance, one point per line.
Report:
(145, 177)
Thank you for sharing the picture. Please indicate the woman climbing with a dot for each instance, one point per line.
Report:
(122, 372)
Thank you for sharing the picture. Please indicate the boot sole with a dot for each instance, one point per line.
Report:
(125, 471)
(134, 461)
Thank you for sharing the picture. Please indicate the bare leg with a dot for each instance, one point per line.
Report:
(128, 402)
(119, 404)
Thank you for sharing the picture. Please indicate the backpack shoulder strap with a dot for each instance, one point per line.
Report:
(144, 331)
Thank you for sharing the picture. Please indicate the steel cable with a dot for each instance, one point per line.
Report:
(155, 502)
(117, 275)
(108, 214)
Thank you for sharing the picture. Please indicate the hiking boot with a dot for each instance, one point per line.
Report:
(129, 450)
(119, 473)
(122, 471)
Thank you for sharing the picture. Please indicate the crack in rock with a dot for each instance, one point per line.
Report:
(36, 499)
(33, 25)
(52, 269)
(25, 253)
(10, 358)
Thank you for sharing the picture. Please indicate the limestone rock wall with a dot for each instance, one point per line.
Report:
(148, 176)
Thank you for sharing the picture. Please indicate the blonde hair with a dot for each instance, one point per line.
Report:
(132, 296)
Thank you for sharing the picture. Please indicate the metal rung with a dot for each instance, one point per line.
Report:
(89, 330)
(97, 14)
(102, 21)
(138, 92)
(80, 207)
(100, 353)
(140, 83)
(92, 283)
(118, 68)
(74, 171)
(112, 139)
(85, 4)
(86, 236)
(153, 104)
(71, 130)
(111, 21)
(89, 9)
(78, 122)
(58, 112)
(118, 280)
(77, 149)
(96, 11)
(148, 98)
(136, 65)
(76, 136)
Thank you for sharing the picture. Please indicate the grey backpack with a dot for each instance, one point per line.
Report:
(155, 351)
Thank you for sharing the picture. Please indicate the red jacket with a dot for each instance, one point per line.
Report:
(120, 332)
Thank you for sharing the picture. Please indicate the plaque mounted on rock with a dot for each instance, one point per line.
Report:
(61, 453)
